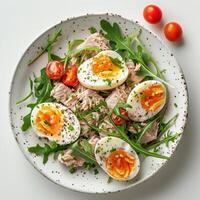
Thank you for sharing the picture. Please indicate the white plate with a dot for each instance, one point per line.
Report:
(85, 181)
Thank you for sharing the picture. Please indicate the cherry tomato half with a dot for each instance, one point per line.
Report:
(152, 14)
(173, 31)
(70, 77)
(118, 120)
(55, 70)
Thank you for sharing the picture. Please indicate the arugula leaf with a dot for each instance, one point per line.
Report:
(50, 42)
(92, 29)
(123, 105)
(165, 126)
(168, 138)
(137, 147)
(47, 149)
(114, 34)
(87, 146)
(42, 91)
(70, 47)
(29, 95)
(26, 122)
(77, 151)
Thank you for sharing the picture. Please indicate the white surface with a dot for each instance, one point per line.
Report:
(22, 21)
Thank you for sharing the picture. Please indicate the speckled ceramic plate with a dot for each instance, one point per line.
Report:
(85, 181)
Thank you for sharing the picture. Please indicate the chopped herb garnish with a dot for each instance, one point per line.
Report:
(116, 62)
(92, 29)
(47, 122)
(108, 81)
(70, 127)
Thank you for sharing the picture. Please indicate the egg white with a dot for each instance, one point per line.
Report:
(105, 146)
(67, 134)
(137, 112)
(90, 80)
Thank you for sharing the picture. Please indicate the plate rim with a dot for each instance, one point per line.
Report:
(166, 47)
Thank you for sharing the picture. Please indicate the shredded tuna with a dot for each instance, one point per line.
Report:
(132, 129)
(133, 69)
(96, 40)
(60, 92)
(106, 126)
(151, 134)
(117, 95)
(93, 140)
(83, 99)
(69, 160)
(92, 119)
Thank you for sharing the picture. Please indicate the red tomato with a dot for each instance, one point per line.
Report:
(118, 120)
(54, 70)
(152, 14)
(70, 77)
(173, 31)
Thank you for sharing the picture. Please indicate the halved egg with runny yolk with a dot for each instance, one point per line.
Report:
(104, 71)
(117, 158)
(146, 100)
(55, 122)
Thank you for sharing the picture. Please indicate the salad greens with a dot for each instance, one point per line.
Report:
(42, 90)
(47, 149)
(29, 95)
(131, 48)
(121, 43)
(50, 42)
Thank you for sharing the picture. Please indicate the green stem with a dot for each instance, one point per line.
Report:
(25, 98)
(136, 146)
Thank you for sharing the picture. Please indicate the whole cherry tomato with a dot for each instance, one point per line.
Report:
(70, 76)
(152, 14)
(119, 120)
(173, 31)
(55, 70)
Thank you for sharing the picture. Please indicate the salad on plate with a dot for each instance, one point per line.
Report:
(101, 104)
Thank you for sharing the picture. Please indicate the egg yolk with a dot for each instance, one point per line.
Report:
(120, 164)
(103, 67)
(49, 120)
(152, 97)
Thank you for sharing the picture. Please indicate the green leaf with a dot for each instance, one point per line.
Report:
(26, 122)
(70, 48)
(77, 151)
(165, 126)
(47, 149)
(87, 146)
(42, 91)
(123, 105)
(50, 42)
(114, 34)
(137, 147)
(92, 30)
(166, 140)
(30, 93)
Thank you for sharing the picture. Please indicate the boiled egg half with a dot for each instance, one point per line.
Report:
(55, 122)
(117, 158)
(104, 71)
(146, 100)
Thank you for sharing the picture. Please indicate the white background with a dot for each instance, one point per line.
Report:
(22, 21)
